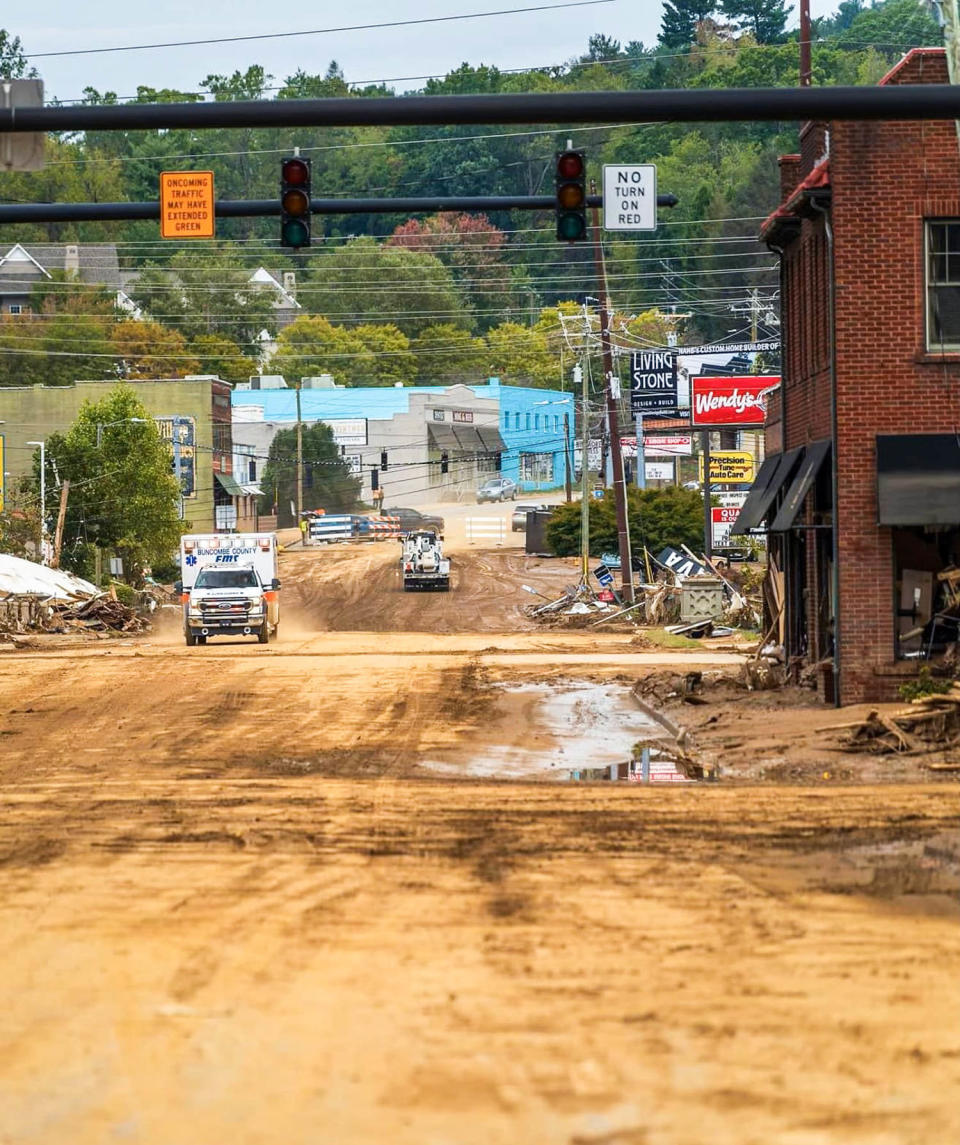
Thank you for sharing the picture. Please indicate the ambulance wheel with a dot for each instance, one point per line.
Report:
(201, 639)
(273, 634)
(263, 633)
(190, 638)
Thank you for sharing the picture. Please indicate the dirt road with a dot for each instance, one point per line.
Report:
(236, 908)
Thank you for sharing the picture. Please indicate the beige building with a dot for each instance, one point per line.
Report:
(193, 411)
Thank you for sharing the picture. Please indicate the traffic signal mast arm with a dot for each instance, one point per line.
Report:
(248, 208)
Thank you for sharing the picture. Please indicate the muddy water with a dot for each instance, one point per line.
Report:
(568, 730)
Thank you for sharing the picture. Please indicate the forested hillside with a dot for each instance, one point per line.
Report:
(386, 298)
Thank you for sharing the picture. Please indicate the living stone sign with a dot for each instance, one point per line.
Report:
(630, 197)
(653, 382)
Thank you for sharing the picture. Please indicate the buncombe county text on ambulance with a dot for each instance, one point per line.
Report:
(184, 195)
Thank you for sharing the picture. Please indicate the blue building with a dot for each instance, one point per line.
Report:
(440, 442)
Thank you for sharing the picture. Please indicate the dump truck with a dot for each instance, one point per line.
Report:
(422, 563)
(229, 586)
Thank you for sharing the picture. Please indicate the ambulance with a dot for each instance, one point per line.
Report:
(229, 586)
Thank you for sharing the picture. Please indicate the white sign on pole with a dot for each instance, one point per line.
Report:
(658, 470)
(630, 197)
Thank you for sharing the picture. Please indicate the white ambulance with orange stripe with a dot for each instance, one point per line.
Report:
(229, 586)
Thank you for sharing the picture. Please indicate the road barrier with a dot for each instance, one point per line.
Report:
(331, 528)
(378, 528)
(486, 530)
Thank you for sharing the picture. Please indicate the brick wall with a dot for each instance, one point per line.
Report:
(886, 179)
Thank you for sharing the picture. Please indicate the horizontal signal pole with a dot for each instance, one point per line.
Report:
(241, 208)
(907, 101)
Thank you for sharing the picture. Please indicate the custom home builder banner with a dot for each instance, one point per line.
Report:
(736, 400)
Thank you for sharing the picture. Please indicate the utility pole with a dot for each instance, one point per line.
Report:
(566, 457)
(616, 454)
(42, 550)
(707, 515)
(299, 457)
(806, 67)
(61, 518)
(580, 376)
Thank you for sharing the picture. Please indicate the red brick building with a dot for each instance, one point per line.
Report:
(860, 493)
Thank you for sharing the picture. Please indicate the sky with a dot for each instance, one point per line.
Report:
(530, 39)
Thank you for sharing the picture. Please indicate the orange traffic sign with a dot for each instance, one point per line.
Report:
(186, 205)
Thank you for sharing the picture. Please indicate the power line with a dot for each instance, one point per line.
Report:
(320, 31)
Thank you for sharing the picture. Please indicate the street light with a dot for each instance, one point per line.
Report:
(102, 425)
(43, 498)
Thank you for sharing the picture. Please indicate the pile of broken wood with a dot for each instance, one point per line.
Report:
(925, 725)
(103, 613)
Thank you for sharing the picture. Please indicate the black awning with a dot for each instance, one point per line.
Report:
(774, 472)
(442, 437)
(814, 456)
(491, 440)
(918, 479)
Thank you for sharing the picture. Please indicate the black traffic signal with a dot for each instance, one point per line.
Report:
(571, 184)
(383, 460)
(374, 479)
(295, 202)
(444, 462)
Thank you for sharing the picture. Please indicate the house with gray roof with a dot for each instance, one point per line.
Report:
(25, 265)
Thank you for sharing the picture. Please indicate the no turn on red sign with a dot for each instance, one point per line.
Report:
(186, 205)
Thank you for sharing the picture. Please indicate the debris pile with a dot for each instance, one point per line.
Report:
(928, 724)
(34, 598)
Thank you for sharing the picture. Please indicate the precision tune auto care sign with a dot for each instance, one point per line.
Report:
(653, 382)
(726, 401)
(186, 205)
(630, 197)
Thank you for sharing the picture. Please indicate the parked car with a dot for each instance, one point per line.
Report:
(412, 520)
(518, 522)
(497, 489)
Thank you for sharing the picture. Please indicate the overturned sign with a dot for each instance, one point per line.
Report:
(680, 564)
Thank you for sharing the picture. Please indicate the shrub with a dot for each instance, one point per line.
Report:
(923, 685)
(656, 518)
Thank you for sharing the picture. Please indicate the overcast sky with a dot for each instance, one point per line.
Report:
(520, 40)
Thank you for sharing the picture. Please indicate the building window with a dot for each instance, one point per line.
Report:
(528, 419)
(536, 421)
(506, 420)
(943, 284)
(536, 467)
(16, 308)
(516, 421)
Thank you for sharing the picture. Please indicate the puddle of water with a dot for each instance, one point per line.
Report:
(579, 730)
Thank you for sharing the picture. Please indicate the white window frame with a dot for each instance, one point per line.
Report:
(939, 344)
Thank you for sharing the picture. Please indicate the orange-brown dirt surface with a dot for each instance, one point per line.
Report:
(241, 903)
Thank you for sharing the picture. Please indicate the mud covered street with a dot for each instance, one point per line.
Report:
(237, 904)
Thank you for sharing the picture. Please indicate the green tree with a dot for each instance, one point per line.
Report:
(223, 357)
(13, 61)
(657, 517)
(312, 345)
(389, 348)
(446, 354)
(520, 355)
(893, 28)
(149, 350)
(207, 292)
(366, 281)
(123, 495)
(678, 28)
(327, 481)
(765, 20)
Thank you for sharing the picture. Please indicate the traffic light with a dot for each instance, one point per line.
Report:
(571, 184)
(374, 479)
(295, 202)
(383, 460)
(444, 462)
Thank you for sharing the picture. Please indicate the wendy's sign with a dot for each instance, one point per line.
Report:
(737, 400)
